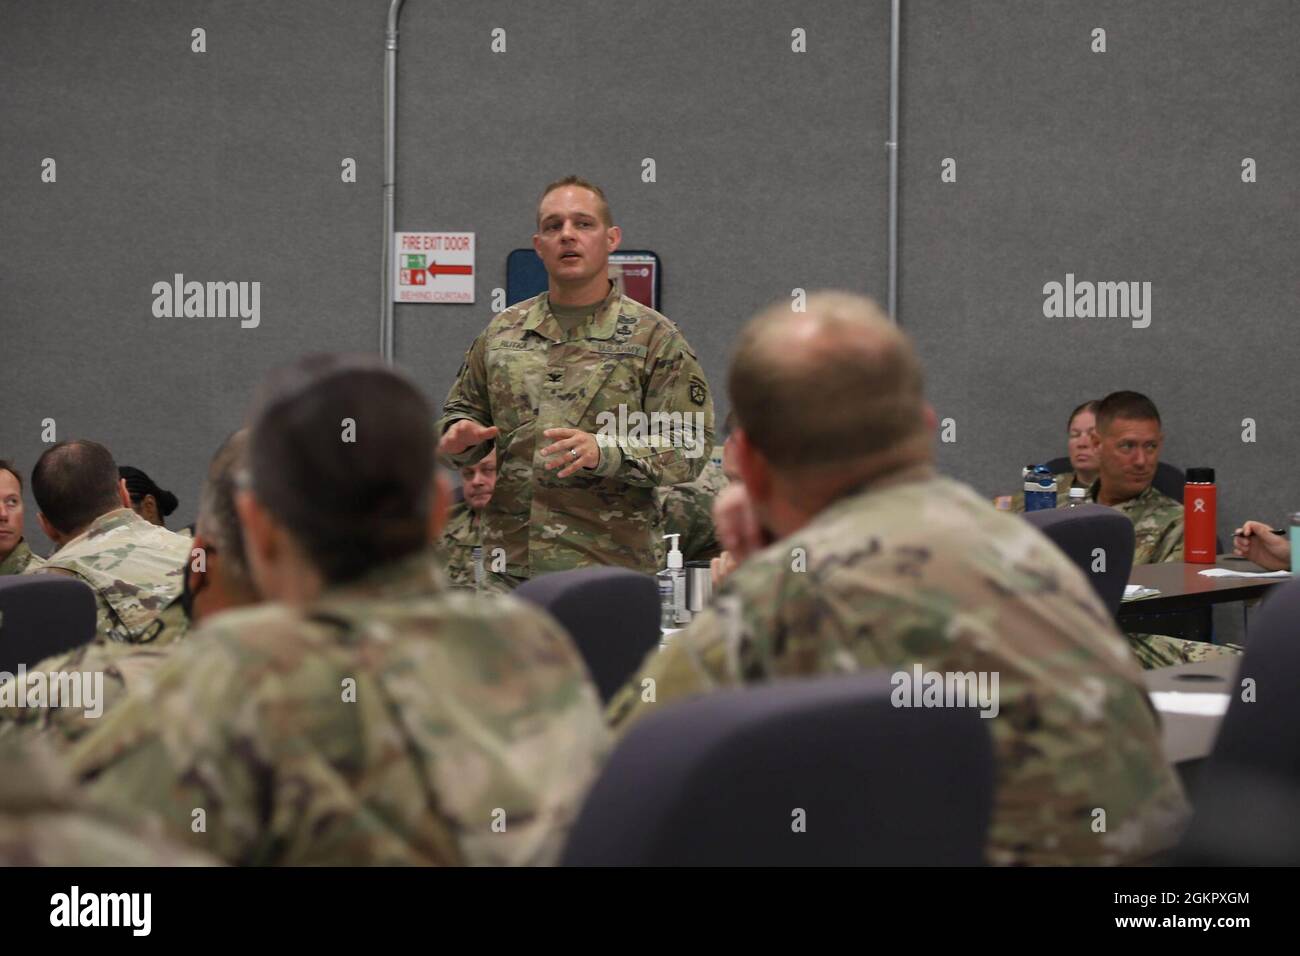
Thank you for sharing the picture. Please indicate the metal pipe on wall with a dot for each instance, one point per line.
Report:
(892, 147)
(390, 176)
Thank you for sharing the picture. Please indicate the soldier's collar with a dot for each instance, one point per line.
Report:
(109, 520)
(1144, 495)
(601, 326)
(416, 575)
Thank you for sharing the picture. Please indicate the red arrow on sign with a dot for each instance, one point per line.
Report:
(437, 270)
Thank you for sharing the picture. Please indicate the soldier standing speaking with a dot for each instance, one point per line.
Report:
(542, 383)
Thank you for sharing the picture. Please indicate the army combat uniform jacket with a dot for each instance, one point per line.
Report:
(688, 511)
(917, 569)
(43, 821)
(391, 721)
(524, 374)
(19, 559)
(114, 668)
(134, 567)
(462, 534)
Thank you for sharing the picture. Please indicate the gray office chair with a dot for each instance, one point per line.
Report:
(611, 613)
(43, 615)
(1249, 796)
(1079, 531)
(800, 773)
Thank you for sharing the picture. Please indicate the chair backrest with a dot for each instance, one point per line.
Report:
(1249, 792)
(611, 613)
(42, 615)
(1079, 532)
(806, 772)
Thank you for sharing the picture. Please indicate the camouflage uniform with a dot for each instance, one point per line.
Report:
(688, 510)
(42, 823)
(918, 569)
(460, 537)
(392, 721)
(134, 568)
(525, 374)
(126, 668)
(1158, 538)
(19, 559)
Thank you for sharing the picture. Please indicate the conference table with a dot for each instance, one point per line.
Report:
(1191, 723)
(1183, 588)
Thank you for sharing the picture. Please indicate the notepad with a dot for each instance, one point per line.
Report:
(1227, 573)
(1184, 702)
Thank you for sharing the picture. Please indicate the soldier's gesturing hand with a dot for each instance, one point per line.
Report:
(574, 448)
(464, 435)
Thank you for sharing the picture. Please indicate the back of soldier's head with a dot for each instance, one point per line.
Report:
(218, 520)
(74, 482)
(831, 387)
(341, 453)
(1133, 406)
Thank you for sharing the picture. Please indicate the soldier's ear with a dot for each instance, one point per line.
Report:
(614, 236)
(261, 535)
(50, 531)
(123, 495)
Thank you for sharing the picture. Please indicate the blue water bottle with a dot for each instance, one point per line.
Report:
(1040, 489)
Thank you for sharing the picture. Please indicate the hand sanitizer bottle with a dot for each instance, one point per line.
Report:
(672, 589)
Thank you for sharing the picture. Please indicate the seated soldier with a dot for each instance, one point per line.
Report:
(1083, 461)
(881, 563)
(367, 714)
(149, 501)
(463, 535)
(15, 556)
(215, 579)
(133, 567)
(1128, 438)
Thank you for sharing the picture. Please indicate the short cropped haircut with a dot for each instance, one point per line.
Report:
(341, 451)
(1131, 405)
(1088, 406)
(848, 390)
(74, 482)
(602, 203)
(218, 520)
(7, 465)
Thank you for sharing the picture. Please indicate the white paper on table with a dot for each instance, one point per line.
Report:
(1132, 591)
(1190, 702)
(1228, 573)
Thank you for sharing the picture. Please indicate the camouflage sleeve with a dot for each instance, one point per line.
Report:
(694, 662)
(677, 386)
(469, 398)
(154, 755)
(1169, 545)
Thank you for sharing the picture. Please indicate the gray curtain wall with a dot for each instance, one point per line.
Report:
(771, 175)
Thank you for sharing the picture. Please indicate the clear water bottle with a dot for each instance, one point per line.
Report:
(1040, 489)
(1078, 497)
